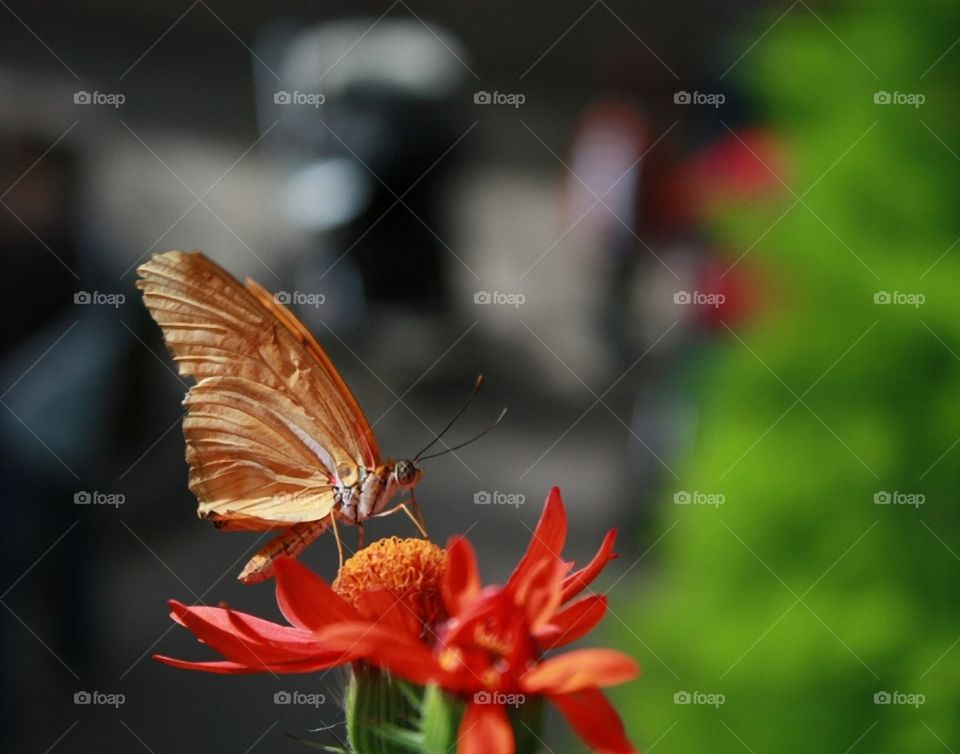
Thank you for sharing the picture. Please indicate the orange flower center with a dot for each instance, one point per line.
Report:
(411, 569)
(491, 642)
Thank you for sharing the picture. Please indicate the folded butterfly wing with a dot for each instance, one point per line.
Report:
(253, 456)
(271, 427)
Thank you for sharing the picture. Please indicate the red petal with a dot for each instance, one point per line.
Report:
(255, 629)
(595, 721)
(247, 627)
(579, 669)
(573, 622)
(233, 668)
(406, 657)
(548, 538)
(384, 607)
(485, 729)
(244, 638)
(305, 599)
(538, 592)
(578, 581)
(491, 600)
(209, 666)
(461, 580)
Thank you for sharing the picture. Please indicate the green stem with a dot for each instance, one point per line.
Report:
(387, 715)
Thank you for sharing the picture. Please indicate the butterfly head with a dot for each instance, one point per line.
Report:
(407, 473)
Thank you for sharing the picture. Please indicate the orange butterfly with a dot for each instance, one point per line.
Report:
(275, 439)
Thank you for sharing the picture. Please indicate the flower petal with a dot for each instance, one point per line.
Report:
(595, 720)
(537, 592)
(548, 538)
(579, 580)
(579, 669)
(572, 622)
(380, 645)
(461, 580)
(244, 638)
(233, 668)
(485, 729)
(209, 666)
(305, 599)
(491, 600)
(384, 607)
(246, 627)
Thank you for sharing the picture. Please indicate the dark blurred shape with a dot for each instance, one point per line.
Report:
(39, 188)
(39, 191)
(365, 180)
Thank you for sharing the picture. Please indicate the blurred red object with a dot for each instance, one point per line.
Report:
(729, 293)
(735, 168)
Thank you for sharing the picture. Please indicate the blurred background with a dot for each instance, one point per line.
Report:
(706, 255)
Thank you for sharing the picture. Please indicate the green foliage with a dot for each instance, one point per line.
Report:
(799, 598)
(387, 715)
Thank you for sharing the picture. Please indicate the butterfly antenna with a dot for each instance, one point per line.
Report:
(435, 440)
(472, 439)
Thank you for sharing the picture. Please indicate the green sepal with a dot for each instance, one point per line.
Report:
(380, 712)
(440, 715)
(387, 715)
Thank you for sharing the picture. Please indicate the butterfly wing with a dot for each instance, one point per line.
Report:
(270, 425)
(252, 454)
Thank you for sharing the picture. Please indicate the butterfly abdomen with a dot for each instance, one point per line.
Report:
(291, 542)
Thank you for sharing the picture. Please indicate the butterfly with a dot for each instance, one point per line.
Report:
(275, 440)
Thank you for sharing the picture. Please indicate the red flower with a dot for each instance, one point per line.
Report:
(392, 583)
(487, 644)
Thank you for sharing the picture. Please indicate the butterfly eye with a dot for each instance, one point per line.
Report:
(405, 472)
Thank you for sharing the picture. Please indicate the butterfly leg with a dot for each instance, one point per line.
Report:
(336, 536)
(416, 516)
